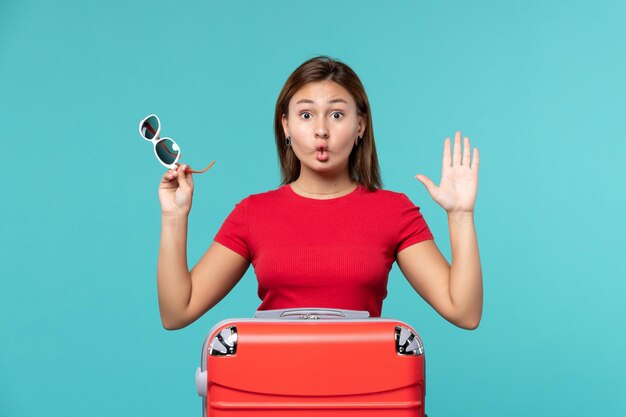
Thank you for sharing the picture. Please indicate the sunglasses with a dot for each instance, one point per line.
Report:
(165, 149)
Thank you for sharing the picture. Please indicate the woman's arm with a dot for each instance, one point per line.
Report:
(185, 295)
(455, 291)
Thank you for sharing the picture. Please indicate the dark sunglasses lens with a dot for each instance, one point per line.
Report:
(167, 150)
(149, 127)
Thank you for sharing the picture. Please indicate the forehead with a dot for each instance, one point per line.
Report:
(321, 92)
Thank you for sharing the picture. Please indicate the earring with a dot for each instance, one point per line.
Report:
(359, 140)
(288, 141)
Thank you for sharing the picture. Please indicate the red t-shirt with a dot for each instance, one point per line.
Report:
(334, 253)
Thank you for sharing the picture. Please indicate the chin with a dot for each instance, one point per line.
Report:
(321, 167)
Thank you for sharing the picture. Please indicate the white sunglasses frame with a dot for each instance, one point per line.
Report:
(156, 139)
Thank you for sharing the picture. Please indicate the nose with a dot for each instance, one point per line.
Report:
(321, 131)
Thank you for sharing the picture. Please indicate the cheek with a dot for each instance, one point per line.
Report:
(300, 129)
(298, 147)
(347, 139)
(347, 131)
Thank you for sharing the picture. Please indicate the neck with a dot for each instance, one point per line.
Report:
(318, 186)
(339, 191)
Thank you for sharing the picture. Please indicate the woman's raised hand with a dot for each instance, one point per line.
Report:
(459, 178)
(176, 191)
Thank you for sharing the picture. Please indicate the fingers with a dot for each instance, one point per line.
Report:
(188, 175)
(170, 175)
(456, 159)
(466, 153)
(447, 156)
(430, 186)
(185, 182)
(476, 160)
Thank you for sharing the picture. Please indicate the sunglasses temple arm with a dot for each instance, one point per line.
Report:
(200, 172)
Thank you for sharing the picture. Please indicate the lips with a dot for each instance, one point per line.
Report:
(322, 156)
(321, 152)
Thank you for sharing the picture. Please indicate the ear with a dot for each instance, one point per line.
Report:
(284, 121)
(362, 125)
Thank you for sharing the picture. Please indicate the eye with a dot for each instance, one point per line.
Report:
(337, 112)
(305, 113)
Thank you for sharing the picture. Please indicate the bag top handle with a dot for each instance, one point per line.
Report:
(311, 314)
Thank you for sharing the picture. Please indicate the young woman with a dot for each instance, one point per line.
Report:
(328, 236)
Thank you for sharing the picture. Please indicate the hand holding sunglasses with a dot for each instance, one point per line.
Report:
(166, 150)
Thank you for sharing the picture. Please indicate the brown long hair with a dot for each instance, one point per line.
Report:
(363, 161)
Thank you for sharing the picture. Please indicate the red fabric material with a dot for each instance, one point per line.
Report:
(334, 253)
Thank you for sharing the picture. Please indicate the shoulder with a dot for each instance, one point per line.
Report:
(388, 197)
(265, 197)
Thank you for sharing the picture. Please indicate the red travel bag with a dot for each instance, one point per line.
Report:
(312, 362)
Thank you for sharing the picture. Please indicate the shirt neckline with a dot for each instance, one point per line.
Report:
(292, 194)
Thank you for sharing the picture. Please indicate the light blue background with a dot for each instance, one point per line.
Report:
(539, 87)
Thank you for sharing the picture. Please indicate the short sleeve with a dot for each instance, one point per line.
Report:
(234, 231)
(412, 226)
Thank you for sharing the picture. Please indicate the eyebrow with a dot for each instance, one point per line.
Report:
(335, 100)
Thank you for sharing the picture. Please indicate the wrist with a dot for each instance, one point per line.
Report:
(461, 216)
(174, 219)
